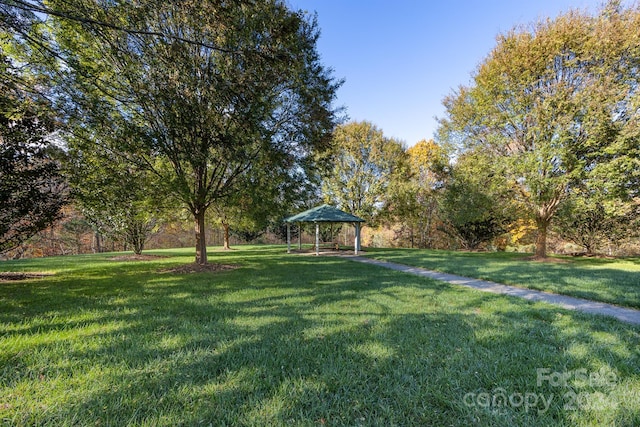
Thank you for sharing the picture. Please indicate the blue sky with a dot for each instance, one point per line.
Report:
(400, 58)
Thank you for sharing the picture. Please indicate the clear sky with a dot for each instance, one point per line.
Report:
(400, 58)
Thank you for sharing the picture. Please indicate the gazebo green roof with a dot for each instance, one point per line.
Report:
(324, 213)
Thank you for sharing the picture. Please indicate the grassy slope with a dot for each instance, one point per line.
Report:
(295, 340)
(614, 281)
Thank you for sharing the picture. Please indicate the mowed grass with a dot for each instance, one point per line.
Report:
(615, 281)
(298, 340)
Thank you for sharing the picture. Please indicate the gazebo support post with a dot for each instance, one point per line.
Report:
(299, 236)
(317, 239)
(331, 232)
(288, 238)
(356, 245)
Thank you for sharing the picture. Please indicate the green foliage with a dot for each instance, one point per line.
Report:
(260, 202)
(32, 188)
(477, 202)
(365, 163)
(20, 84)
(558, 104)
(590, 221)
(201, 93)
(414, 194)
(307, 341)
(120, 200)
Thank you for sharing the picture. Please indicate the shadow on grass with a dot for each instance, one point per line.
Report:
(297, 341)
(594, 279)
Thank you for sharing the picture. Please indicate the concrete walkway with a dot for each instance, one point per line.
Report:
(627, 315)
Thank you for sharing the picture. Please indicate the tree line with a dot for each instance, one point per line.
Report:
(546, 135)
(194, 105)
(142, 112)
(556, 108)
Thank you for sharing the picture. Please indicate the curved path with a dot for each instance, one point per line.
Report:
(627, 315)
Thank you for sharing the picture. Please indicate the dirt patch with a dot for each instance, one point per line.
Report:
(197, 268)
(545, 259)
(135, 257)
(586, 255)
(10, 276)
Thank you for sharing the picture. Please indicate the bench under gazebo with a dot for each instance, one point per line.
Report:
(323, 214)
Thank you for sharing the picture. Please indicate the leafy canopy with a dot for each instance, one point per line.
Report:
(558, 104)
(201, 93)
(365, 162)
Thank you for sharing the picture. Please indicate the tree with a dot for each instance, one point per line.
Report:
(477, 203)
(32, 189)
(118, 199)
(249, 95)
(591, 220)
(365, 162)
(554, 103)
(261, 199)
(414, 198)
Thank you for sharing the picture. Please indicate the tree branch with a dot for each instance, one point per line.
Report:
(31, 7)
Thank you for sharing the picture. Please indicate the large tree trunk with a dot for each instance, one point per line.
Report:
(226, 246)
(541, 238)
(543, 220)
(201, 241)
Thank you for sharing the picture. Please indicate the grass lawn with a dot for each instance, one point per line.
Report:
(615, 281)
(297, 340)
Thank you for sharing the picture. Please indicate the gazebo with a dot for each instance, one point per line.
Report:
(324, 214)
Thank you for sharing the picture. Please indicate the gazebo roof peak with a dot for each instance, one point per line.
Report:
(324, 213)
